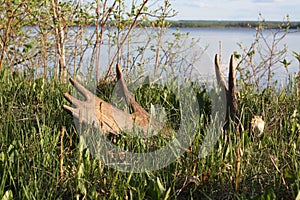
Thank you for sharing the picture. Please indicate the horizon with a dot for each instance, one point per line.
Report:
(224, 20)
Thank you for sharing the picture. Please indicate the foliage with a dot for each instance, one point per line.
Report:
(43, 157)
(41, 153)
(56, 38)
(264, 56)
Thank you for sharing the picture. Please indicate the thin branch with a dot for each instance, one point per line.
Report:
(125, 38)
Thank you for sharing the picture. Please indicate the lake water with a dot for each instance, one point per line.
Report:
(229, 38)
(208, 45)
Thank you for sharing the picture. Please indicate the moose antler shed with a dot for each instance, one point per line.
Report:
(110, 119)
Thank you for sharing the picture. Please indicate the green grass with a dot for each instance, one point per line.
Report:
(42, 157)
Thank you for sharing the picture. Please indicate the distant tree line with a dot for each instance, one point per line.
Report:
(230, 24)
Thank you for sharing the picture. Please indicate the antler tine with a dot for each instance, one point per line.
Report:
(219, 74)
(82, 115)
(85, 92)
(72, 100)
(232, 86)
(123, 84)
(232, 78)
(135, 106)
(69, 109)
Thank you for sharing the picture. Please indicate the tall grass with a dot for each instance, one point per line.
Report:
(42, 157)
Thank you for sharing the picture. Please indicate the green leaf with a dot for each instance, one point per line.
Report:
(296, 55)
(251, 53)
(289, 175)
(236, 55)
(167, 196)
(160, 185)
(27, 47)
(285, 63)
(8, 195)
(16, 2)
(269, 194)
(298, 196)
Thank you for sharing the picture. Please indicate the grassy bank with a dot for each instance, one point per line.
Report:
(41, 156)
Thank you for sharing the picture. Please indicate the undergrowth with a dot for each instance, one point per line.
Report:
(42, 157)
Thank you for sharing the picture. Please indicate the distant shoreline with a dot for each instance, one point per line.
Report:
(229, 24)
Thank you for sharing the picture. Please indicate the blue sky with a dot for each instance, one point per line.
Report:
(236, 9)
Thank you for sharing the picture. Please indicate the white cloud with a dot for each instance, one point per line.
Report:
(263, 1)
(201, 4)
(198, 4)
(268, 1)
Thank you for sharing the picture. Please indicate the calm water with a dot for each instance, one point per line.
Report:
(210, 39)
(230, 37)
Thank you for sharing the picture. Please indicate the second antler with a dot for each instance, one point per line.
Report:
(231, 97)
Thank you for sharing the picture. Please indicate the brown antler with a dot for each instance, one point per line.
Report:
(231, 97)
(101, 114)
(97, 112)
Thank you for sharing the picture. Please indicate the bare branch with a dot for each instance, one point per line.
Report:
(132, 26)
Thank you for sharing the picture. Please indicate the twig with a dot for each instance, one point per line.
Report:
(125, 38)
(61, 163)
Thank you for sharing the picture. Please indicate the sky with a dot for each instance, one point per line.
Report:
(271, 10)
